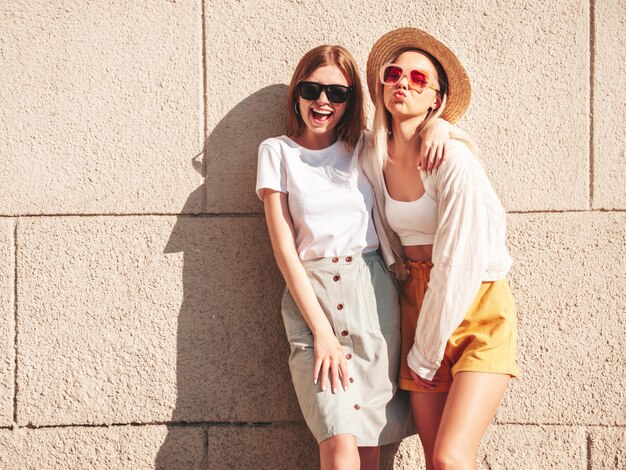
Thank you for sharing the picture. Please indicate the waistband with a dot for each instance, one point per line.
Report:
(368, 257)
(417, 265)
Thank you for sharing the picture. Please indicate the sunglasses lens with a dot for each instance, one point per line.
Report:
(419, 79)
(392, 74)
(334, 93)
(310, 91)
(337, 93)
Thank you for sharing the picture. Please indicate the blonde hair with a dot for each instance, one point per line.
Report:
(375, 155)
(352, 122)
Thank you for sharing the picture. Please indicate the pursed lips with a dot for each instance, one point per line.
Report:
(398, 94)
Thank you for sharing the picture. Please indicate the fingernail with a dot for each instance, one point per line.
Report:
(323, 388)
(334, 390)
(345, 388)
(315, 381)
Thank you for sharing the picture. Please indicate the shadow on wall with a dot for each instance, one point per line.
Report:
(232, 354)
(231, 363)
(232, 148)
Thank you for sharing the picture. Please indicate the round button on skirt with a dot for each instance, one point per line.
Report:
(360, 300)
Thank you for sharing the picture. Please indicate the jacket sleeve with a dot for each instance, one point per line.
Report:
(460, 256)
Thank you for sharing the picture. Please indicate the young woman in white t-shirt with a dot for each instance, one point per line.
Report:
(340, 305)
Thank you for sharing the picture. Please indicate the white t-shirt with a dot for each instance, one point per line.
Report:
(330, 198)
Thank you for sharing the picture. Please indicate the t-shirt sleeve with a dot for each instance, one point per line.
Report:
(271, 172)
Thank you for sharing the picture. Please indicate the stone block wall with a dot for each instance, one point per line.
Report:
(139, 299)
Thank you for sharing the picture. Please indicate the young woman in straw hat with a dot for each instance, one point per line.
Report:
(448, 230)
(340, 306)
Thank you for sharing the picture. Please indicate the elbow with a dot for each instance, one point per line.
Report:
(285, 257)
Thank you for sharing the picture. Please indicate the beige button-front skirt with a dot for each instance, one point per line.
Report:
(360, 301)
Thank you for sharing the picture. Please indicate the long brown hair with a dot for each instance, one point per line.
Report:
(352, 122)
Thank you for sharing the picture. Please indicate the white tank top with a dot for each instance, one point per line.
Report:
(415, 222)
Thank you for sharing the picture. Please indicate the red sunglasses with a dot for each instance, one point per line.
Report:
(391, 74)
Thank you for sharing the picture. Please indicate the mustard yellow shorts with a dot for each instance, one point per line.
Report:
(485, 341)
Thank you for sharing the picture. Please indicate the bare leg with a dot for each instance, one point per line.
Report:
(370, 458)
(471, 405)
(339, 453)
(427, 410)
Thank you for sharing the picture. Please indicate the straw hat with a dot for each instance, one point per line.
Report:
(395, 42)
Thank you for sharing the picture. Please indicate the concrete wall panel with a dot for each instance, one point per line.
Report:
(290, 446)
(131, 319)
(533, 448)
(102, 448)
(293, 446)
(608, 448)
(512, 447)
(568, 279)
(609, 111)
(101, 106)
(535, 144)
(148, 318)
(268, 447)
(7, 321)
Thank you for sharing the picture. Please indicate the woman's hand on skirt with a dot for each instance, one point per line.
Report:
(329, 357)
(428, 384)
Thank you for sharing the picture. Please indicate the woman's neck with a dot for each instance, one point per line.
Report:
(313, 141)
(405, 138)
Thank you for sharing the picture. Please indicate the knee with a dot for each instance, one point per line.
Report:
(451, 459)
(338, 453)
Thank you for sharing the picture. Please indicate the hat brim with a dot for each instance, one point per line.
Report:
(394, 42)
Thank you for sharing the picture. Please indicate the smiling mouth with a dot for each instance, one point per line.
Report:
(321, 115)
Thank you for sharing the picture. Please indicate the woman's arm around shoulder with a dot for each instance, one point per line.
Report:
(462, 167)
(434, 140)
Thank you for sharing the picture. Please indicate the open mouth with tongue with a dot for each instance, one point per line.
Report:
(321, 116)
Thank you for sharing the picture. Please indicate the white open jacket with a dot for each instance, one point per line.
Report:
(469, 248)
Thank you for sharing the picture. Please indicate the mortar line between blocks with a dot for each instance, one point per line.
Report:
(178, 424)
(205, 106)
(592, 74)
(243, 215)
(142, 214)
(205, 445)
(265, 424)
(15, 327)
(557, 424)
(588, 448)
